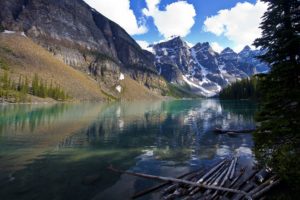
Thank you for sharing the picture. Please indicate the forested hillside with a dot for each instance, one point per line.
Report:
(248, 88)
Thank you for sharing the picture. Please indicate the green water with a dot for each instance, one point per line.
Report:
(62, 151)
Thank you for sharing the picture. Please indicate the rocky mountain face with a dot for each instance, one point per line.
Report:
(84, 39)
(202, 69)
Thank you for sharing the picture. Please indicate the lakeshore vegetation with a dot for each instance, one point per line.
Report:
(20, 91)
(248, 88)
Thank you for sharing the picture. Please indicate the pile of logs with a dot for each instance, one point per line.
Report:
(222, 181)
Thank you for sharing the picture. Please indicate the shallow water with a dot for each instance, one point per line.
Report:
(62, 151)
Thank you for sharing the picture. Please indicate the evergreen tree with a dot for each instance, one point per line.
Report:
(17, 91)
(35, 85)
(50, 90)
(20, 83)
(26, 85)
(243, 89)
(42, 89)
(277, 138)
(5, 81)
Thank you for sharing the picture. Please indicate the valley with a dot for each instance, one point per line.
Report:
(87, 56)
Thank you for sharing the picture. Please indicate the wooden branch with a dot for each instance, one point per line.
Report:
(167, 179)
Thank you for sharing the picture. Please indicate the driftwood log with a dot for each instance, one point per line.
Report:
(175, 180)
(224, 180)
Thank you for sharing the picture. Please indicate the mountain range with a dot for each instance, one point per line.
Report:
(108, 58)
(202, 69)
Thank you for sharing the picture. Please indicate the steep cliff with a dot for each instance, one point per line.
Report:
(84, 39)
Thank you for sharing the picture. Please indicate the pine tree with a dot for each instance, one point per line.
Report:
(277, 138)
(26, 85)
(41, 89)
(20, 83)
(50, 90)
(35, 85)
(243, 89)
(5, 81)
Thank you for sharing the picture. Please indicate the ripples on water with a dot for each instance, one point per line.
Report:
(62, 151)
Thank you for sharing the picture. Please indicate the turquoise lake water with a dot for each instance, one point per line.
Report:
(62, 151)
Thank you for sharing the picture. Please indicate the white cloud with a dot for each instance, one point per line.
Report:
(119, 11)
(239, 24)
(217, 47)
(176, 19)
(144, 45)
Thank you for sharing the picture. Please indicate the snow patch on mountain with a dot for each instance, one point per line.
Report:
(203, 91)
(203, 69)
(122, 77)
(119, 88)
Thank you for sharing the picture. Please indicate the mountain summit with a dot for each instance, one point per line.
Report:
(202, 69)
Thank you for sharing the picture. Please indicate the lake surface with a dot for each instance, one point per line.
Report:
(62, 151)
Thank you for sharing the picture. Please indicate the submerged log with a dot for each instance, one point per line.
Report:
(233, 182)
(221, 131)
(174, 180)
(154, 188)
(260, 187)
(222, 181)
(218, 180)
(223, 174)
(265, 189)
(213, 177)
(238, 184)
(232, 172)
(192, 177)
(226, 178)
(211, 171)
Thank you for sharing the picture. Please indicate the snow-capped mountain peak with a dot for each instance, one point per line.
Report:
(205, 71)
(227, 51)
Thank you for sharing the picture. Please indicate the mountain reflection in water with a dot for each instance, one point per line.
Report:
(62, 151)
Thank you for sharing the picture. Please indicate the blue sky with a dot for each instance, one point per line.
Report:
(223, 23)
